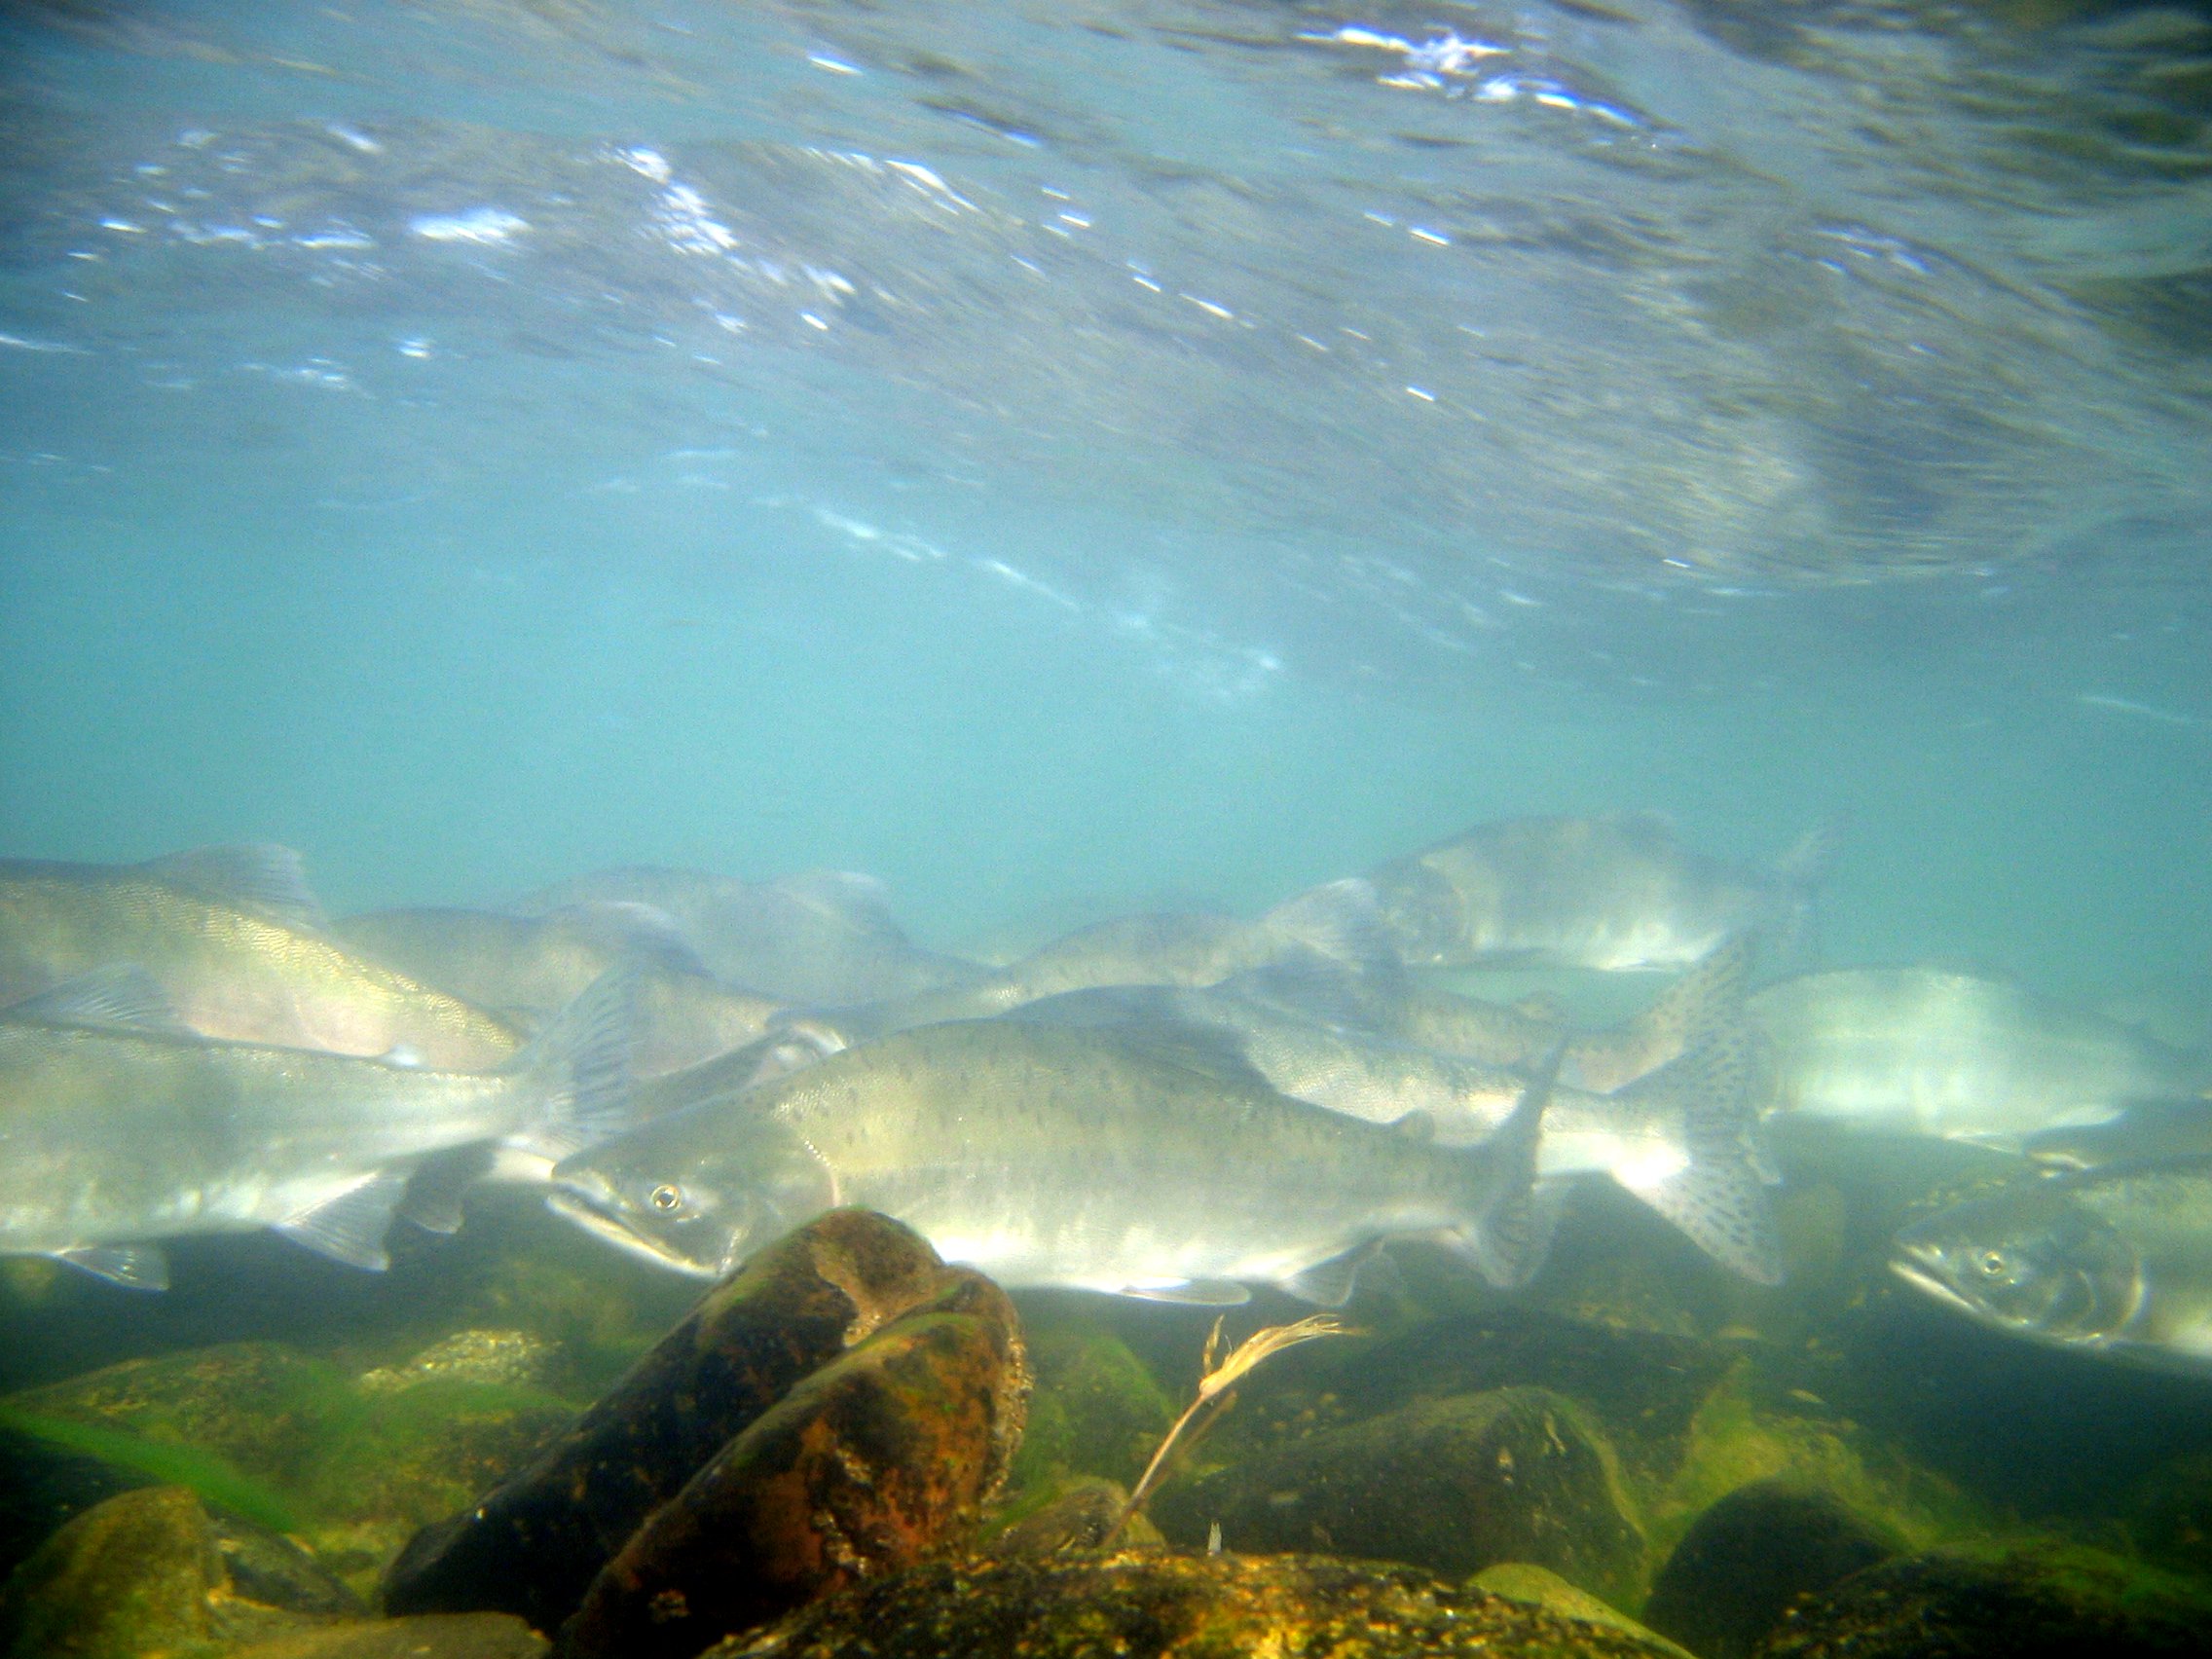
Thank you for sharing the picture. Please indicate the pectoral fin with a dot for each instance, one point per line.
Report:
(1199, 1293)
(134, 1266)
(351, 1228)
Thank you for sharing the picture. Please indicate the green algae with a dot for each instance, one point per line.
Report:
(1735, 1439)
(168, 1464)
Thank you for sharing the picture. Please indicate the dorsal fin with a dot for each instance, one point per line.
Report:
(1207, 1051)
(861, 902)
(631, 928)
(120, 997)
(258, 878)
(1339, 922)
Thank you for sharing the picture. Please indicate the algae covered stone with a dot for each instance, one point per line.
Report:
(1541, 1586)
(426, 1635)
(1455, 1484)
(1746, 1558)
(532, 1545)
(2026, 1605)
(867, 1466)
(150, 1571)
(1156, 1604)
(128, 1578)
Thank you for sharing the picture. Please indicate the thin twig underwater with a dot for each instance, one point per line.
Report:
(1213, 1396)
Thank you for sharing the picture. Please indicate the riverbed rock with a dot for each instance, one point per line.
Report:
(1747, 1557)
(867, 1466)
(1541, 1586)
(1079, 1515)
(1158, 1605)
(1452, 1485)
(425, 1636)
(128, 1576)
(1939, 1605)
(533, 1544)
(150, 1571)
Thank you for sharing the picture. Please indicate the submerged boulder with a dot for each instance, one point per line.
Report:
(428, 1636)
(1748, 1556)
(128, 1576)
(150, 1571)
(2025, 1607)
(1453, 1485)
(533, 1544)
(867, 1466)
(1525, 1581)
(1155, 1605)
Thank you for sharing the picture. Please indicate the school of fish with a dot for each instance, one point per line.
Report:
(1179, 1106)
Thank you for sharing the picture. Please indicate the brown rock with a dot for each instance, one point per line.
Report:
(532, 1545)
(866, 1466)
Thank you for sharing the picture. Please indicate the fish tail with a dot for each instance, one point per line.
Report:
(1701, 1006)
(578, 1069)
(1508, 1232)
(1716, 1193)
(1340, 921)
(1803, 869)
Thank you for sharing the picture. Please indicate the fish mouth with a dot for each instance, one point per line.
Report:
(573, 1204)
(1921, 1279)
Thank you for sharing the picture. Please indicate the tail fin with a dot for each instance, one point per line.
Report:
(1806, 863)
(1511, 1231)
(1703, 1003)
(1801, 871)
(1340, 921)
(1717, 1196)
(579, 1067)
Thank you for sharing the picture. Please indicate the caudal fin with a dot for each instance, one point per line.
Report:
(1510, 1234)
(1701, 1006)
(580, 1069)
(1715, 1193)
(1340, 921)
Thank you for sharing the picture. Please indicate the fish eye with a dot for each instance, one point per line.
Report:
(1992, 1262)
(664, 1198)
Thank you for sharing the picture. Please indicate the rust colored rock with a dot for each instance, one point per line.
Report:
(867, 1466)
(532, 1545)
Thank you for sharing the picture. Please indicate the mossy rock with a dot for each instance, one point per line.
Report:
(260, 1407)
(1076, 1516)
(1746, 1558)
(428, 1636)
(2026, 1605)
(1095, 1409)
(296, 1443)
(150, 1572)
(1751, 1430)
(1160, 1605)
(1646, 1387)
(1541, 1586)
(128, 1578)
(1452, 1485)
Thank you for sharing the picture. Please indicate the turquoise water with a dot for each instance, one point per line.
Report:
(1041, 591)
(1071, 461)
